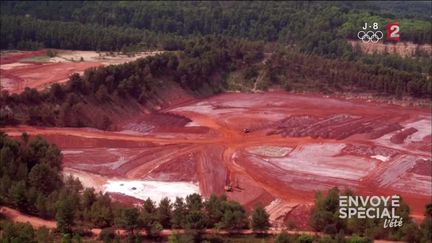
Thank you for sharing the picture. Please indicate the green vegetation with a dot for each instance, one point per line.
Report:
(260, 219)
(209, 65)
(325, 218)
(211, 47)
(31, 181)
(41, 59)
(197, 68)
(202, 59)
(51, 53)
(384, 75)
(30, 175)
(417, 31)
(269, 21)
(29, 33)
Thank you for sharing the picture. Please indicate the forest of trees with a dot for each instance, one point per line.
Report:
(323, 59)
(203, 65)
(325, 218)
(268, 21)
(316, 26)
(386, 76)
(27, 33)
(192, 68)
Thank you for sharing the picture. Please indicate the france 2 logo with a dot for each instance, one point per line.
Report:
(393, 31)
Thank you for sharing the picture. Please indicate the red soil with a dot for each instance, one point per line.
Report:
(39, 75)
(17, 74)
(14, 57)
(18, 217)
(329, 142)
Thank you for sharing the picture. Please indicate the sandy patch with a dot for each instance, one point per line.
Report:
(381, 157)
(423, 129)
(87, 179)
(278, 209)
(321, 159)
(155, 190)
(269, 151)
(41, 71)
(13, 65)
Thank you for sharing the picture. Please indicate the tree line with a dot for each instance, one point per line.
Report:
(205, 66)
(193, 68)
(28, 33)
(267, 21)
(297, 71)
(325, 218)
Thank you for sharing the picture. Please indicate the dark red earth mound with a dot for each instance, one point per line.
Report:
(422, 167)
(338, 126)
(399, 137)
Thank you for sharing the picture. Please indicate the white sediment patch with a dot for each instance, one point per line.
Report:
(381, 157)
(278, 209)
(208, 108)
(192, 124)
(72, 152)
(13, 65)
(270, 151)
(324, 160)
(423, 129)
(155, 190)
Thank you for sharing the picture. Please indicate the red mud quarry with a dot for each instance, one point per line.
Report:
(34, 69)
(275, 148)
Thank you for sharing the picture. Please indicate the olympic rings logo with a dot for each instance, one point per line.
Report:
(370, 36)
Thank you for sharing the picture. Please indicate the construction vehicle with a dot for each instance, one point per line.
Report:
(228, 188)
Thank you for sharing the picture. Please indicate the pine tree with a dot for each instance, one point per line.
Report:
(260, 219)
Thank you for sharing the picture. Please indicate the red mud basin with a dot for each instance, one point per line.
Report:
(273, 148)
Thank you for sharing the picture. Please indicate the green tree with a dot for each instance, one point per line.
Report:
(305, 239)
(17, 232)
(174, 238)
(18, 195)
(88, 198)
(234, 216)
(129, 219)
(43, 235)
(214, 208)
(196, 220)
(102, 94)
(164, 213)
(66, 238)
(260, 219)
(101, 214)
(178, 219)
(44, 179)
(65, 215)
(357, 239)
(194, 202)
(283, 237)
(148, 214)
